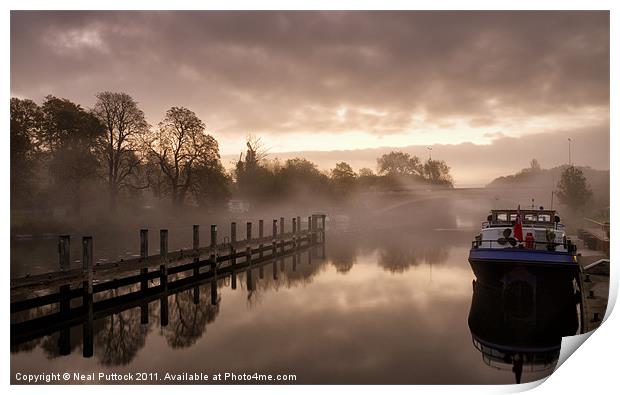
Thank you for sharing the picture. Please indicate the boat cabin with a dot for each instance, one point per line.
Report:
(535, 218)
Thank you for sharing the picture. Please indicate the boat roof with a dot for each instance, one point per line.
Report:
(524, 211)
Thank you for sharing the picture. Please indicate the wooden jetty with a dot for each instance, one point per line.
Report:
(594, 286)
(56, 301)
(595, 235)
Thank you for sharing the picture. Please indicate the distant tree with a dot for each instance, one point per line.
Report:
(253, 178)
(125, 130)
(343, 178)
(212, 187)
(180, 147)
(69, 135)
(398, 163)
(534, 165)
(26, 123)
(437, 172)
(298, 176)
(573, 189)
(366, 172)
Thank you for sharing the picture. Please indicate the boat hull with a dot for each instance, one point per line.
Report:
(492, 264)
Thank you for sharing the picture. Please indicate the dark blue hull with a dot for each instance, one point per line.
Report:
(493, 263)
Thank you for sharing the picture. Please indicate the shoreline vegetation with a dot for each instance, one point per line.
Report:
(73, 167)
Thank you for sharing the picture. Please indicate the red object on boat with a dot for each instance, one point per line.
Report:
(518, 228)
(529, 241)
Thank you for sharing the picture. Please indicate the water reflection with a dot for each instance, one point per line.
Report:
(359, 309)
(518, 323)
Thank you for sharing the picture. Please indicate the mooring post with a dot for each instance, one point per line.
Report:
(87, 297)
(275, 270)
(248, 247)
(294, 262)
(294, 233)
(163, 254)
(274, 229)
(298, 224)
(260, 236)
(64, 252)
(163, 277)
(213, 245)
(64, 305)
(261, 272)
(322, 228)
(196, 248)
(233, 240)
(144, 284)
(282, 235)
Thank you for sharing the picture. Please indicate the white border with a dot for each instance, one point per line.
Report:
(590, 370)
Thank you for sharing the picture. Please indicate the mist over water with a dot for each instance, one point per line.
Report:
(385, 300)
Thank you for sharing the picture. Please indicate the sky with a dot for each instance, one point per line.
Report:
(344, 82)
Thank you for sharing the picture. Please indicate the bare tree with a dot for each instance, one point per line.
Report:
(180, 147)
(125, 127)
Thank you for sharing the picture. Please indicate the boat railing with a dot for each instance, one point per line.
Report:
(529, 245)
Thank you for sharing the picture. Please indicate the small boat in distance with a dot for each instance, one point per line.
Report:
(530, 238)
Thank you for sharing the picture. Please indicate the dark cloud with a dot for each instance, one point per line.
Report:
(298, 71)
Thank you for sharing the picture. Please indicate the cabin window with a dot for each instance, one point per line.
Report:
(502, 217)
(544, 218)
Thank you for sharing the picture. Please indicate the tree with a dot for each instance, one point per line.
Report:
(253, 178)
(573, 189)
(26, 123)
(69, 136)
(398, 163)
(179, 147)
(343, 177)
(300, 176)
(437, 172)
(125, 128)
(534, 165)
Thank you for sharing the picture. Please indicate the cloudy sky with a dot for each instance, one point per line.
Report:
(322, 81)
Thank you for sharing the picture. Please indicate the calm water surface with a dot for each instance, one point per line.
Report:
(385, 307)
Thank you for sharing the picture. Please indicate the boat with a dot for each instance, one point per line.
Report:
(517, 325)
(511, 238)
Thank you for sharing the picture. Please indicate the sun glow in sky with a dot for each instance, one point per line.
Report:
(322, 81)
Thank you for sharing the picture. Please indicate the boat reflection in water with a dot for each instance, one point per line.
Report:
(518, 323)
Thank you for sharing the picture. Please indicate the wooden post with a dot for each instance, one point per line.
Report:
(298, 224)
(144, 284)
(233, 240)
(196, 247)
(274, 229)
(282, 235)
(260, 236)
(163, 254)
(248, 248)
(294, 225)
(87, 297)
(213, 245)
(64, 252)
(248, 231)
(275, 270)
(294, 262)
(163, 277)
(323, 228)
(261, 272)
(64, 306)
(274, 250)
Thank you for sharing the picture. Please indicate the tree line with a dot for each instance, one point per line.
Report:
(62, 152)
